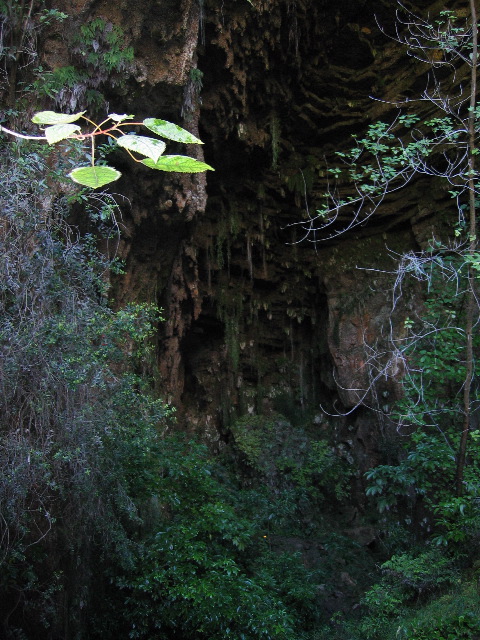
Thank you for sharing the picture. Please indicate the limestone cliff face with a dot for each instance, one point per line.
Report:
(257, 320)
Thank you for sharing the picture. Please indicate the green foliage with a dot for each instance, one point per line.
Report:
(189, 577)
(142, 535)
(392, 153)
(431, 411)
(178, 164)
(101, 44)
(50, 117)
(96, 176)
(170, 131)
(99, 57)
(435, 346)
(382, 160)
(149, 147)
(460, 627)
(419, 574)
(296, 584)
(60, 81)
(430, 484)
(453, 616)
(101, 47)
(407, 579)
(287, 457)
(78, 429)
(21, 24)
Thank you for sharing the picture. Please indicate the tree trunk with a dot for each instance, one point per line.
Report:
(471, 298)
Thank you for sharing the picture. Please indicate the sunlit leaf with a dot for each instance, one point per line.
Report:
(50, 117)
(94, 177)
(145, 146)
(117, 118)
(58, 132)
(170, 131)
(180, 164)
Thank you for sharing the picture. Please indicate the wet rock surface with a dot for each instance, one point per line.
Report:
(256, 318)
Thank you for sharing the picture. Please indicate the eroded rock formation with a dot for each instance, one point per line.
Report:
(256, 320)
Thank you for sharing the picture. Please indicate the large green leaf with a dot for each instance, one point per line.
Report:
(58, 132)
(50, 117)
(145, 146)
(170, 131)
(180, 164)
(120, 118)
(94, 177)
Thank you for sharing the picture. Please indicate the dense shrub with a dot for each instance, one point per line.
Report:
(77, 433)
(109, 529)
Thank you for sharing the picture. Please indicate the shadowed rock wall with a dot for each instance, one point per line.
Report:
(255, 320)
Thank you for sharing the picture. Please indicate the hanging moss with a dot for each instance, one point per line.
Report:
(230, 306)
(275, 132)
(286, 454)
(227, 230)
